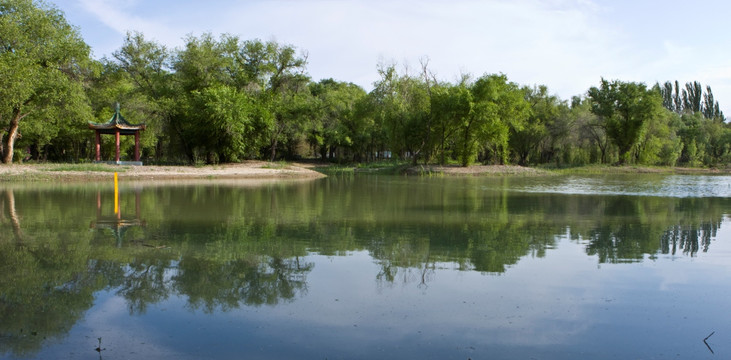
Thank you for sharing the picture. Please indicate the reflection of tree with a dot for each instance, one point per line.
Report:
(12, 214)
(210, 284)
(689, 240)
(230, 247)
(144, 282)
(45, 288)
(408, 261)
(629, 228)
(623, 243)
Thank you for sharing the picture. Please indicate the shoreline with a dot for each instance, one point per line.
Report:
(253, 170)
(262, 170)
(509, 170)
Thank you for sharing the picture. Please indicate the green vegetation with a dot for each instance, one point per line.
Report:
(44, 64)
(227, 99)
(275, 165)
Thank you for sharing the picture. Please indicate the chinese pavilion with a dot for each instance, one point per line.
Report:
(117, 126)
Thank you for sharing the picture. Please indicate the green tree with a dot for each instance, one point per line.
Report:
(691, 99)
(230, 123)
(269, 74)
(544, 109)
(450, 106)
(718, 143)
(403, 106)
(287, 93)
(42, 63)
(199, 65)
(371, 140)
(140, 78)
(499, 106)
(335, 124)
(589, 143)
(660, 144)
(625, 108)
(693, 134)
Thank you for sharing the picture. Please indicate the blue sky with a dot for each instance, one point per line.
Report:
(567, 45)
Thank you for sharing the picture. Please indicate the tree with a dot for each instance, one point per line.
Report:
(402, 103)
(660, 145)
(270, 75)
(450, 107)
(335, 124)
(139, 78)
(42, 64)
(544, 109)
(499, 107)
(625, 108)
(711, 109)
(692, 99)
(591, 135)
(231, 126)
(693, 134)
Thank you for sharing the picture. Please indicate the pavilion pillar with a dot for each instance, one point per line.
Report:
(116, 156)
(137, 146)
(98, 146)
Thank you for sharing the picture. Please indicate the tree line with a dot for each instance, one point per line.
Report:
(227, 99)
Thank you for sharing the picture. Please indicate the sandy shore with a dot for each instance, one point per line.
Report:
(245, 170)
(262, 170)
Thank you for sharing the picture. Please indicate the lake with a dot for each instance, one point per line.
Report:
(368, 266)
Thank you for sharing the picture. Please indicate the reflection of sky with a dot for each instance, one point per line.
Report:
(666, 186)
(563, 305)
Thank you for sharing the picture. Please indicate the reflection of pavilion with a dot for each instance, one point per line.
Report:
(118, 224)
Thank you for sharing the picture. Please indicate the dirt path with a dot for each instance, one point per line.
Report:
(86, 172)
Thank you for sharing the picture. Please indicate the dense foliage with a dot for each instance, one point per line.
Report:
(227, 99)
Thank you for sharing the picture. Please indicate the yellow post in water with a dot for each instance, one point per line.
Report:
(116, 194)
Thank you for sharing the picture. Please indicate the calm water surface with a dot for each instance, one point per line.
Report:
(364, 267)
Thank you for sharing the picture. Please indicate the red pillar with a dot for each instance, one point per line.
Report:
(98, 204)
(137, 146)
(137, 205)
(116, 156)
(98, 146)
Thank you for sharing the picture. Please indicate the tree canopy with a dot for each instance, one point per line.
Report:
(43, 64)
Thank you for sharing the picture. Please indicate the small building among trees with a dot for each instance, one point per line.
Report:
(118, 126)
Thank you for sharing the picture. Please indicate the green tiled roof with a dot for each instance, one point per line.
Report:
(117, 123)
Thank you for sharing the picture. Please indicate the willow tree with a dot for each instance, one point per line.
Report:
(451, 107)
(42, 60)
(265, 79)
(498, 106)
(625, 108)
(544, 110)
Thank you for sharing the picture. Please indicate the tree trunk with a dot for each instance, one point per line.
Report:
(9, 145)
(274, 150)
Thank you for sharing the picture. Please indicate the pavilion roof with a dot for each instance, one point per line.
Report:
(117, 123)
